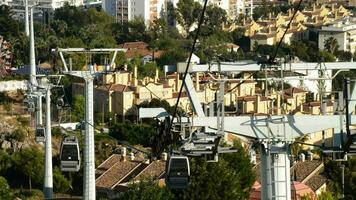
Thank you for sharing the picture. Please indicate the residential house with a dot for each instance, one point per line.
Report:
(117, 172)
(140, 50)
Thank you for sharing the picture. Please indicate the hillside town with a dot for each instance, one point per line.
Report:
(177, 99)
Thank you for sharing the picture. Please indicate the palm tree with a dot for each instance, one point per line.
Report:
(331, 45)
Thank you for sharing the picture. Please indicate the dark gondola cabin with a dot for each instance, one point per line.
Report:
(40, 134)
(60, 103)
(177, 172)
(70, 155)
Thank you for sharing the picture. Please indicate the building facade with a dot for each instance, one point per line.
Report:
(344, 31)
(127, 10)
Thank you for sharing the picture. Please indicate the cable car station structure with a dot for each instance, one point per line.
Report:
(273, 133)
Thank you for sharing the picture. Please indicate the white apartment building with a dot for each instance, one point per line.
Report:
(344, 31)
(126, 10)
(233, 8)
(43, 4)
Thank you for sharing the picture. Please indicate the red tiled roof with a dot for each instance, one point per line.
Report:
(153, 170)
(116, 173)
(175, 95)
(251, 98)
(294, 90)
(142, 52)
(134, 45)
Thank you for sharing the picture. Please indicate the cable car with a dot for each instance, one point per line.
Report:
(70, 155)
(40, 134)
(30, 105)
(60, 103)
(177, 172)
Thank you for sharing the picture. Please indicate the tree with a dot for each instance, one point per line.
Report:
(147, 190)
(331, 45)
(30, 162)
(9, 27)
(60, 183)
(296, 147)
(188, 12)
(78, 107)
(5, 161)
(5, 192)
(17, 136)
(230, 178)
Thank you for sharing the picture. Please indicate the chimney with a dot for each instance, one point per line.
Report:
(197, 81)
(314, 7)
(157, 75)
(177, 82)
(290, 12)
(302, 157)
(278, 104)
(301, 108)
(310, 156)
(270, 15)
(164, 156)
(134, 79)
(258, 101)
(132, 156)
(123, 153)
(262, 85)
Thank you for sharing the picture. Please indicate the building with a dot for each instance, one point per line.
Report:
(344, 31)
(141, 50)
(127, 10)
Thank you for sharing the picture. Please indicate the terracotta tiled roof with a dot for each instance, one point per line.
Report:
(303, 169)
(317, 103)
(116, 173)
(294, 90)
(134, 45)
(175, 95)
(132, 53)
(316, 182)
(112, 160)
(154, 170)
(251, 98)
(260, 36)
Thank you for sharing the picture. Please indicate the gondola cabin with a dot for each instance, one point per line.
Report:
(40, 134)
(177, 172)
(70, 154)
(60, 103)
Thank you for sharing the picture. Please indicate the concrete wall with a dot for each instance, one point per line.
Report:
(13, 85)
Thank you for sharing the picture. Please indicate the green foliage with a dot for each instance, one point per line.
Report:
(324, 195)
(331, 45)
(9, 27)
(147, 190)
(30, 194)
(157, 103)
(60, 183)
(6, 161)
(188, 12)
(29, 161)
(147, 70)
(133, 133)
(5, 193)
(78, 106)
(334, 173)
(230, 178)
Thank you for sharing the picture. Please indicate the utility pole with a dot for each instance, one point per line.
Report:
(27, 29)
(32, 51)
(48, 178)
